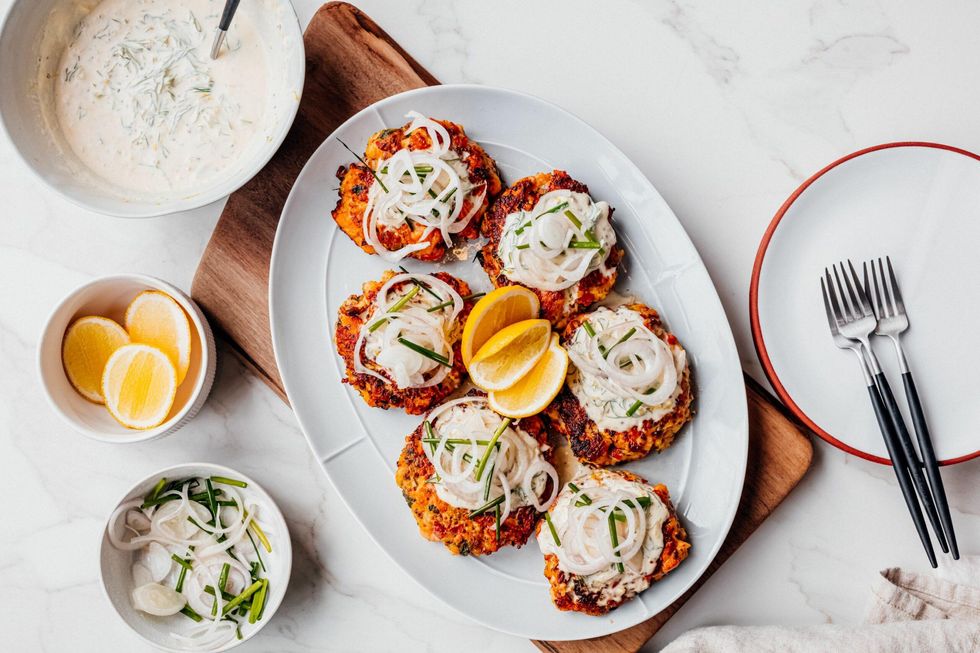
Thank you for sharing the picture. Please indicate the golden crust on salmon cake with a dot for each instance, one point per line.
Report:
(546, 233)
(628, 391)
(418, 190)
(474, 480)
(588, 569)
(400, 339)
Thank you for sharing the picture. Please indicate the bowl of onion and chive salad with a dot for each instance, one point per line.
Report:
(196, 557)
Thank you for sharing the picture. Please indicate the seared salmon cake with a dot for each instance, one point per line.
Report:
(546, 233)
(628, 390)
(400, 339)
(608, 536)
(474, 480)
(418, 189)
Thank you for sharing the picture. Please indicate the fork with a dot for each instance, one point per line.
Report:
(854, 321)
(889, 308)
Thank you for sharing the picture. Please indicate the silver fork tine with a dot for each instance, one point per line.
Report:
(858, 309)
(894, 285)
(880, 308)
(862, 295)
(838, 313)
(886, 291)
(848, 314)
(867, 288)
(831, 320)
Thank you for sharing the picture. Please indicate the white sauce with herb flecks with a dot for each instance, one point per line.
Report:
(141, 103)
(580, 519)
(643, 384)
(556, 244)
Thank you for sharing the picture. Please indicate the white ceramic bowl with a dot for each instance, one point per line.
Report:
(23, 40)
(109, 297)
(115, 566)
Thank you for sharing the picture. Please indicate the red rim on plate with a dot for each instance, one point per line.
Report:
(757, 338)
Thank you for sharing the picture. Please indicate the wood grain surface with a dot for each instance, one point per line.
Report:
(350, 64)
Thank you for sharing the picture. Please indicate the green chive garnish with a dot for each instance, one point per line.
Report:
(486, 453)
(208, 589)
(584, 244)
(397, 306)
(588, 329)
(614, 536)
(255, 611)
(551, 527)
(554, 209)
(571, 218)
(436, 440)
(223, 577)
(626, 336)
(430, 435)
(496, 522)
(364, 163)
(428, 353)
(155, 492)
(450, 302)
(180, 561)
(229, 481)
(523, 246)
(490, 505)
(636, 404)
(257, 554)
(249, 591)
(583, 499)
(188, 612)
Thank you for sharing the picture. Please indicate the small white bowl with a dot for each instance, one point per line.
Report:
(115, 566)
(109, 297)
(33, 33)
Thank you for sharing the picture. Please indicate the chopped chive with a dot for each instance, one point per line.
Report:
(583, 499)
(155, 492)
(551, 527)
(234, 603)
(259, 533)
(397, 306)
(584, 244)
(212, 500)
(636, 404)
(450, 302)
(229, 481)
(574, 220)
(554, 209)
(364, 163)
(208, 589)
(254, 571)
(430, 435)
(589, 331)
(436, 440)
(490, 505)
(223, 577)
(238, 632)
(644, 502)
(149, 503)
(614, 536)
(523, 246)
(180, 579)
(188, 612)
(626, 336)
(496, 523)
(228, 503)
(486, 454)
(180, 561)
(258, 603)
(257, 554)
(428, 353)
(486, 486)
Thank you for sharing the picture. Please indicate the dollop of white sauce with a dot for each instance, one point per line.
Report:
(545, 248)
(141, 103)
(610, 583)
(602, 404)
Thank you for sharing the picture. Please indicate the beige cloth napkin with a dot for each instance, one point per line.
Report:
(910, 612)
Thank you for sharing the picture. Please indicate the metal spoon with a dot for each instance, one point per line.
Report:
(219, 36)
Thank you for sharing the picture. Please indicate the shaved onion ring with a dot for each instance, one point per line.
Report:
(421, 187)
(413, 321)
(516, 469)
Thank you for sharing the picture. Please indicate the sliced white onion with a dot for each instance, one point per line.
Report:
(414, 322)
(433, 198)
(158, 600)
(157, 561)
(514, 464)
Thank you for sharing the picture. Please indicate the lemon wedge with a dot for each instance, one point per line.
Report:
(532, 394)
(139, 385)
(155, 318)
(87, 345)
(498, 309)
(510, 354)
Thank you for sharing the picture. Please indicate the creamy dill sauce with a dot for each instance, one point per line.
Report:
(558, 242)
(604, 406)
(141, 103)
(609, 583)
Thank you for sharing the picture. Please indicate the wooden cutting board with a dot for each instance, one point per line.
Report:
(351, 63)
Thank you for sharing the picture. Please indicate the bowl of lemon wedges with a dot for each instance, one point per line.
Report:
(513, 354)
(127, 358)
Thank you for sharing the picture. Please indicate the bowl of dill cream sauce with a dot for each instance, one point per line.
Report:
(118, 106)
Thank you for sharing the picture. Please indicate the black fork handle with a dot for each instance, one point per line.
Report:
(929, 461)
(229, 12)
(911, 458)
(901, 472)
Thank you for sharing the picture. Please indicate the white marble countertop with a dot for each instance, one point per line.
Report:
(725, 106)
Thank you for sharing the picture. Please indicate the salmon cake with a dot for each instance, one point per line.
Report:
(628, 390)
(607, 537)
(418, 190)
(547, 233)
(474, 480)
(400, 336)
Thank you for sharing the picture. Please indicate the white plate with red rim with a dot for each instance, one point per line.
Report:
(918, 203)
(315, 267)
